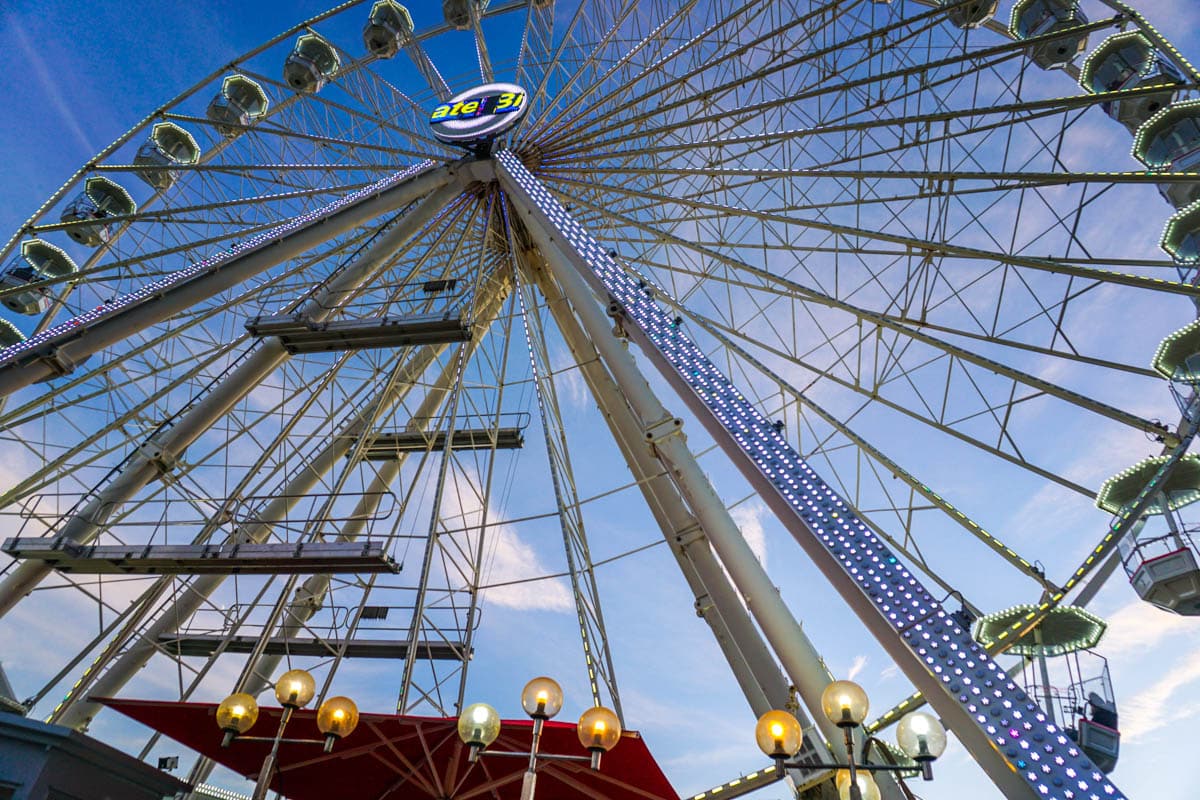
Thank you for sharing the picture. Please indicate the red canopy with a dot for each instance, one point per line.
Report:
(391, 756)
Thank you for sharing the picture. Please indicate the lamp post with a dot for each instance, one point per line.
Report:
(598, 730)
(845, 704)
(336, 718)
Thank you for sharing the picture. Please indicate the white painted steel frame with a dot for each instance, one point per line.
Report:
(59, 349)
(1007, 734)
(156, 456)
(77, 711)
(717, 601)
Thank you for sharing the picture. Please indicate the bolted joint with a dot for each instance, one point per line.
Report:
(689, 534)
(667, 426)
(157, 453)
(617, 313)
(309, 599)
(60, 362)
(477, 171)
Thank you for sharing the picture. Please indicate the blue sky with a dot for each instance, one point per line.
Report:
(80, 76)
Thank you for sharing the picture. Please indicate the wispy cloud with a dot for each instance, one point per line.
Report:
(1137, 630)
(512, 568)
(1139, 626)
(568, 380)
(41, 73)
(515, 560)
(748, 517)
(1162, 704)
(856, 667)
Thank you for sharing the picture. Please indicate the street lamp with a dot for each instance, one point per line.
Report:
(923, 739)
(845, 704)
(336, 718)
(598, 729)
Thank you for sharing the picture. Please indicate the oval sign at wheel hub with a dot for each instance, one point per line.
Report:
(479, 115)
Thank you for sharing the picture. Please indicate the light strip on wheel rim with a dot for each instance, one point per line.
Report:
(39, 345)
(1015, 727)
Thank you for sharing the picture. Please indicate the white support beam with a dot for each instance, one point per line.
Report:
(156, 456)
(717, 602)
(998, 723)
(58, 349)
(77, 712)
(661, 429)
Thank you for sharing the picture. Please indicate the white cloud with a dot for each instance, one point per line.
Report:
(1138, 635)
(569, 384)
(1139, 626)
(856, 667)
(748, 518)
(512, 568)
(48, 81)
(515, 560)
(1160, 705)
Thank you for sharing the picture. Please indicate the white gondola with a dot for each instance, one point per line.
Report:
(1170, 141)
(90, 210)
(9, 335)
(1061, 672)
(168, 148)
(312, 62)
(1160, 556)
(388, 27)
(458, 12)
(1035, 18)
(240, 103)
(1129, 61)
(1181, 237)
(38, 261)
(970, 14)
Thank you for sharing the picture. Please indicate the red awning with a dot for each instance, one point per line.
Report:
(414, 758)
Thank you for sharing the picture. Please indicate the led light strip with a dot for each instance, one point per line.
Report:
(1015, 726)
(71, 328)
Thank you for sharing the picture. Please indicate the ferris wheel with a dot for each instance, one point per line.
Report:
(299, 366)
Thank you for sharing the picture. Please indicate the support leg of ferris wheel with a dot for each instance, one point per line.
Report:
(656, 427)
(432, 545)
(77, 712)
(995, 720)
(717, 602)
(157, 455)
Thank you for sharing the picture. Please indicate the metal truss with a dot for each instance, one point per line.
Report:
(596, 654)
(937, 654)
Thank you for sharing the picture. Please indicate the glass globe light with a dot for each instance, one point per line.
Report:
(295, 688)
(542, 698)
(921, 736)
(237, 713)
(478, 725)
(778, 734)
(337, 717)
(599, 729)
(845, 704)
(866, 785)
